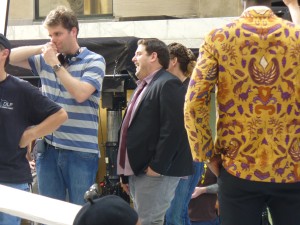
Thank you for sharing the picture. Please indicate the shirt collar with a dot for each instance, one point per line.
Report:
(258, 11)
(148, 78)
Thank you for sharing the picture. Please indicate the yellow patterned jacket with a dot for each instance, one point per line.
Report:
(254, 65)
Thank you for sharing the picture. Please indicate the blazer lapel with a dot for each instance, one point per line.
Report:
(148, 89)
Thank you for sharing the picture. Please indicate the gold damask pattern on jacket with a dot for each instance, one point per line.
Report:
(254, 64)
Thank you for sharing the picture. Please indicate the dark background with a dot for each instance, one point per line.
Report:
(117, 51)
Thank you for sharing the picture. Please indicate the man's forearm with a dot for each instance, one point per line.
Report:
(79, 90)
(294, 10)
(212, 189)
(295, 14)
(50, 124)
(47, 126)
(19, 56)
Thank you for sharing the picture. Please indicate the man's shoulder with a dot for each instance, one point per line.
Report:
(165, 79)
(166, 75)
(87, 52)
(237, 26)
(18, 81)
(21, 86)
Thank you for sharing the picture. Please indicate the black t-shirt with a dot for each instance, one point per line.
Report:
(21, 105)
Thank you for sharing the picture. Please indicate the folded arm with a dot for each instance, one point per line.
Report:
(47, 126)
(19, 56)
(210, 189)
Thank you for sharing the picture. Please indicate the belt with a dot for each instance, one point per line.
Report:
(47, 144)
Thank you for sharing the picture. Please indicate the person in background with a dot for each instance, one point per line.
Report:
(72, 76)
(25, 115)
(254, 64)
(182, 63)
(202, 207)
(153, 148)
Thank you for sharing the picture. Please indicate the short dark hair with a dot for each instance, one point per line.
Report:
(158, 46)
(62, 16)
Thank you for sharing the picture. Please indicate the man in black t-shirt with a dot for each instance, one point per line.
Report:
(25, 115)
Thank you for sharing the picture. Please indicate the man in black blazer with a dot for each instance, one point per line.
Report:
(153, 148)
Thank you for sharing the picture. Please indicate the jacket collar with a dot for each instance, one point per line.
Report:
(258, 11)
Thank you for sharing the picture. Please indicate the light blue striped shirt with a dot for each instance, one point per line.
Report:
(80, 131)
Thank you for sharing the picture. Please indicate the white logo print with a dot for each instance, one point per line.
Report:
(6, 105)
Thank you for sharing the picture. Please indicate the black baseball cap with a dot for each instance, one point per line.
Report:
(107, 210)
(5, 42)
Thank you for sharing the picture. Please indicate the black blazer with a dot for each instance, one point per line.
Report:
(156, 136)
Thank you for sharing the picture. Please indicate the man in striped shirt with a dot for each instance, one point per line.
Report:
(72, 77)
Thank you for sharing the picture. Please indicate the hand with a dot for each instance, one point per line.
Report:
(32, 164)
(49, 52)
(198, 191)
(29, 150)
(217, 206)
(151, 173)
(125, 188)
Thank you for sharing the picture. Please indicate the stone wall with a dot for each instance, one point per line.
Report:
(22, 11)
(189, 32)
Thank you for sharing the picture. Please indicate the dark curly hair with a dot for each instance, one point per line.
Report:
(185, 57)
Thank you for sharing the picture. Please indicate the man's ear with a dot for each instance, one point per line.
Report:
(74, 32)
(5, 52)
(174, 61)
(154, 56)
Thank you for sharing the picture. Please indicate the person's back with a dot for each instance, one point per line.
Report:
(254, 62)
(258, 94)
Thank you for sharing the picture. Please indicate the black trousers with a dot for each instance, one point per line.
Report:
(242, 201)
